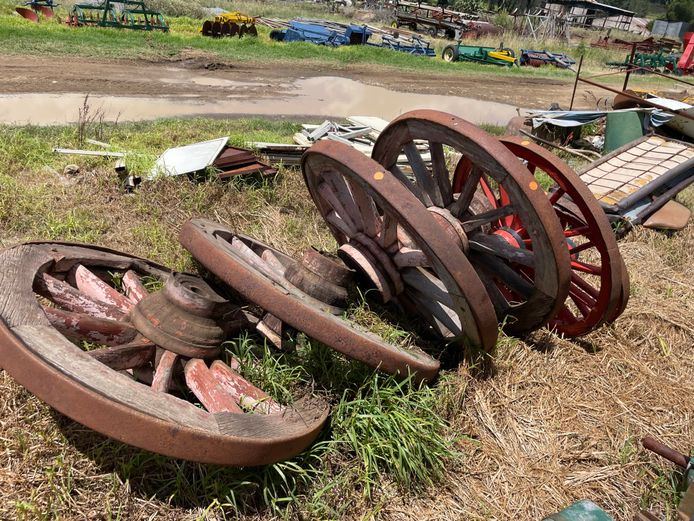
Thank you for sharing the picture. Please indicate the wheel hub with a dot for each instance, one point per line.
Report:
(184, 317)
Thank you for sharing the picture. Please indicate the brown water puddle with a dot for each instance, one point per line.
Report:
(319, 96)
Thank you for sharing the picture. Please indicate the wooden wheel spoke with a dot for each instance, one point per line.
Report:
(133, 287)
(82, 327)
(412, 187)
(389, 231)
(327, 192)
(579, 301)
(574, 232)
(502, 272)
(421, 173)
(163, 375)
(491, 216)
(585, 286)
(338, 222)
(255, 260)
(127, 356)
(573, 250)
(344, 195)
(492, 245)
(273, 262)
(432, 294)
(207, 388)
(441, 173)
(368, 213)
(74, 300)
(94, 287)
(556, 195)
(467, 193)
(584, 267)
(244, 392)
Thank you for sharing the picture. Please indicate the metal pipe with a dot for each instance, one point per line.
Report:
(578, 73)
(637, 99)
(630, 65)
(666, 452)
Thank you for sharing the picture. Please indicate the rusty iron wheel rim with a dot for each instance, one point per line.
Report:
(93, 390)
(526, 298)
(362, 204)
(212, 245)
(595, 293)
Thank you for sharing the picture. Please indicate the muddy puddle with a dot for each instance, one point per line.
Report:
(318, 96)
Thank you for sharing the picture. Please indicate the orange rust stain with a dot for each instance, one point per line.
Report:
(533, 185)
(378, 176)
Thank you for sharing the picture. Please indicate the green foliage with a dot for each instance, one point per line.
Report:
(503, 20)
(681, 11)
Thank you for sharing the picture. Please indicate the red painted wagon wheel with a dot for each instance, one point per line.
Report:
(527, 277)
(56, 299)
(410, 257)
(597, 267)
(258, 273)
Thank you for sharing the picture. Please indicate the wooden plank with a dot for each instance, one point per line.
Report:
(73, 300)
(245, 393)
(94, 287)
(207, 389)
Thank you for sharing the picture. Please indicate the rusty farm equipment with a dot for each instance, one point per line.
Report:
(230, 24)
(465, 233)
(133, 15)
(33, 9)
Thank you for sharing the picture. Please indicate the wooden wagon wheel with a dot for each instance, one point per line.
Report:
(595, 293)
(408, 253)
(527, 277)
(259, 274)
(56, 299)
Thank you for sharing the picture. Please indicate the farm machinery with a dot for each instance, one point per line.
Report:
(32, 9)
(230, 24)
(475, 53)
(133, 15)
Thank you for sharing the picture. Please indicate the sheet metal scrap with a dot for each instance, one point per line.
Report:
(153, 351)
(639, 178)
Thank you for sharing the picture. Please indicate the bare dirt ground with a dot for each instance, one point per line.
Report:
(196, 76)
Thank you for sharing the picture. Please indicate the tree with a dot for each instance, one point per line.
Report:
(681, 11)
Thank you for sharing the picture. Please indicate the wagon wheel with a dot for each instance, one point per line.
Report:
(130, 388)
(527, 277)
(595, 293)
(259, 274)
(385, 232)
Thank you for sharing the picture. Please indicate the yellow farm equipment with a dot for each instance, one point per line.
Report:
(230, 24)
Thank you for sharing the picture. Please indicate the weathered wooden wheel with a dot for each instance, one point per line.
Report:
(259, 274)
(596, 290)
(56, 299)
(410, 255)
(526, 274)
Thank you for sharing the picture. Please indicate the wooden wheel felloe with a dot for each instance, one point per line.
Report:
(599, 277)
(259, 274)
(514, 239)
(56, 299)
(386, 233)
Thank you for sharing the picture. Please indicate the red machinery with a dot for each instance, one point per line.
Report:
(686, 63)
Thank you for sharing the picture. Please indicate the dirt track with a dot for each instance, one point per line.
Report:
(210, 80)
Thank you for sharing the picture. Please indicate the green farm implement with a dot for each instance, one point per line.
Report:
(658, 61)
(131, 15)
(474, 53)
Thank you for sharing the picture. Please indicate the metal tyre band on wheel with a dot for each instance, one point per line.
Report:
(595, 293)
(55, 296)
(514, 239)
(389, 235)
(257, 273)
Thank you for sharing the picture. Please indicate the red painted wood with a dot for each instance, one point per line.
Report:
(161, 382)
(207, 389)
(244, 392)
(133, 287)
(73, 300)
(78, 326)
(94, 287)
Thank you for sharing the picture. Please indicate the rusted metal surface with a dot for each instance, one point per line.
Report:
(514, 239)
(240, 262)
(666, 452)
(596, 291)
(376, 219)
(91, 388)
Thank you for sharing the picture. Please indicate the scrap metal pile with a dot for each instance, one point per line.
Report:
(493, 231)
(230, 24)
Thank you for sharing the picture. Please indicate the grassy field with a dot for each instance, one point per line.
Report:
(50, 38)
(554, 421)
